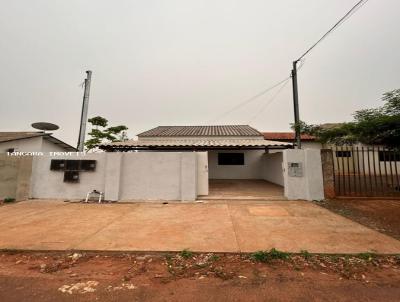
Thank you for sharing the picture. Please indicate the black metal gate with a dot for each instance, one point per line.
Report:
(366, 171)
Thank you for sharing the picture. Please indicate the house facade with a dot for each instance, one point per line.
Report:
(37, 141)
(230, 152)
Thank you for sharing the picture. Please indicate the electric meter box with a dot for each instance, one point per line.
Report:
(295, 169)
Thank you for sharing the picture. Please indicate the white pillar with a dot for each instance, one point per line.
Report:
(302, 171)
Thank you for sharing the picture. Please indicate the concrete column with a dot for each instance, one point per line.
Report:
(328, 173)
(112, 175)
(24, 178)
(302, 171)
(188, 179)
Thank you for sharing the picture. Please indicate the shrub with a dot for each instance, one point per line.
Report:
(265, 256)
(366, 256)
(186, 254)
(306, 255)
(9, 199)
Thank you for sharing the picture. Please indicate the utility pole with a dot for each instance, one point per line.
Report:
(296, 105)
(85, 105)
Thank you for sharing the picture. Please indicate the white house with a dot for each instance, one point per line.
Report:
(38, 141)
(234, 154)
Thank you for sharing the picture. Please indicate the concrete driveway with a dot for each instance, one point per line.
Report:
(215, 227)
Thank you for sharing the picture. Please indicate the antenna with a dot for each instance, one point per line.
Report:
(45, 126)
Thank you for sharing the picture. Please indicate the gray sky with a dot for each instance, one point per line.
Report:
(178, 62)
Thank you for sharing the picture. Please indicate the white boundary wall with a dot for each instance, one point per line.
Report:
(309, 186)
(122, 176)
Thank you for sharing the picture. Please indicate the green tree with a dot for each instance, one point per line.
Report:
(379, 126)
(100, 133)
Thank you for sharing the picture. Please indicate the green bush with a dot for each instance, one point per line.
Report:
(265, 256)
(9, 199)
(366, 256)
(306, 255)
(186, 254)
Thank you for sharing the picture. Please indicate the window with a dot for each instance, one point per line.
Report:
(343, 153)
(230, 159)
(389, 156)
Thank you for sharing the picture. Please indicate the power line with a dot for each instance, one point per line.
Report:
(270, 101)
(258, 95)
(251, 99)
(355, 8)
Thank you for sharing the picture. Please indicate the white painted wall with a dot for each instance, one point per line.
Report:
(310, 185)
(33, 144)
(48, 146)
(272, 168)
(49, 184)
(122, 176)
(311, 145)
(252, 168)
(202, 173)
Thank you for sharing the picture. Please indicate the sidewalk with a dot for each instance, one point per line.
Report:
(216, 227)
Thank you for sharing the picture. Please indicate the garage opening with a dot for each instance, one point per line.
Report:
(245, 174)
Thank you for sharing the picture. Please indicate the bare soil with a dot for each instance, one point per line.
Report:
(74, 276)
(382, 215)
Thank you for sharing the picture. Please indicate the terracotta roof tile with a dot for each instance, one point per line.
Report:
(286, 136)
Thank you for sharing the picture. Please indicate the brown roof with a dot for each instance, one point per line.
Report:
(185, 131)
(286, 136)
(10, 136)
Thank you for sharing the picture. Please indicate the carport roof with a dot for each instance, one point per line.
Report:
(194, 144)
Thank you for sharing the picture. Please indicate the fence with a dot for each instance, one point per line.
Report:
(366, 171)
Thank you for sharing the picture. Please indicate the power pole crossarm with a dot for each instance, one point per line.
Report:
(296, 105)
(85, 106)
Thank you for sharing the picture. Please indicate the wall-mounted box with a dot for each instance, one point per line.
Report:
(57, 165)
(295, 169)
(71, 176)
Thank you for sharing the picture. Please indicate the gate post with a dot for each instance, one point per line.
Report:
(328, 171)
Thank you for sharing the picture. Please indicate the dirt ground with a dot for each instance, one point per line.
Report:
(382, 215)
(184, 276)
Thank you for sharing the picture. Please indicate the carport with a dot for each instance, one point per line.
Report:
(243, 189)
(235, 168)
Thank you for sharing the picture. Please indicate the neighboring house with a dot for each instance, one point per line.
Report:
(307, 141)
(232, 151)
(358, 158)
(38, 141)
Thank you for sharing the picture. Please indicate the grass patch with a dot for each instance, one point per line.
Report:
(366, 256)
(186, 254)
(272, 254)
(305, 254)
(214, 258)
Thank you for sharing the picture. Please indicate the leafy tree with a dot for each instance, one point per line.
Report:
(101, 134)
(370, 126)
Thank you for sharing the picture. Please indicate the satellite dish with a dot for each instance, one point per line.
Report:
(45, 126)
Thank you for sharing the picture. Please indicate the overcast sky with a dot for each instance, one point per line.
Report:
(185, 62)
